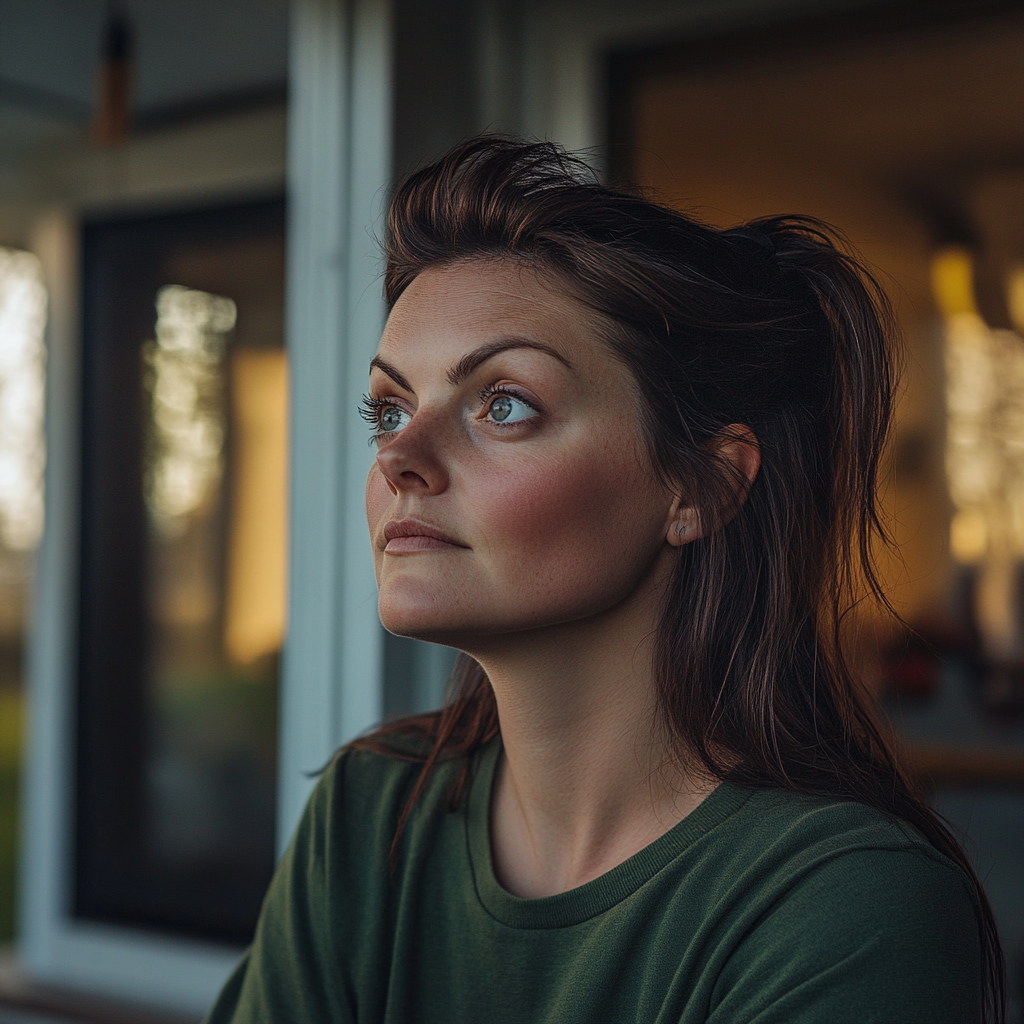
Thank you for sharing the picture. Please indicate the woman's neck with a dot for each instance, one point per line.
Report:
(587, 779)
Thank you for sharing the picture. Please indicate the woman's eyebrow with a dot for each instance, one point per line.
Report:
(392, 372)
(468, 363)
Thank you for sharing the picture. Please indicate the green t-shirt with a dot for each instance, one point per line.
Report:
(760, 906)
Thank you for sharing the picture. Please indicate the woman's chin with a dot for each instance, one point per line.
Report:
(421, 622)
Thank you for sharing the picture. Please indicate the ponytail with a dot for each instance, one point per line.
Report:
(857, 416)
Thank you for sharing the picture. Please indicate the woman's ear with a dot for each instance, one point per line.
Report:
(684, 525)
(737, 446)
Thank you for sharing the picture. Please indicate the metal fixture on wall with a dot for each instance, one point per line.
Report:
(114, 80)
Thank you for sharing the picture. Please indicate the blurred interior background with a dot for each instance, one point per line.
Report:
(190, 201)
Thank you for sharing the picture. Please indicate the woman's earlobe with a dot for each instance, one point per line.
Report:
(684, 527)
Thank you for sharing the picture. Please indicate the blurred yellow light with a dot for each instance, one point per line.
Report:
(953, 282)
(1015, 296)
(968, 536)
(257, 548)
(995, 606)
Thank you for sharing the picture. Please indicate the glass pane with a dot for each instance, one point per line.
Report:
(183, 569)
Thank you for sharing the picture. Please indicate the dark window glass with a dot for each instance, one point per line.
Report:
(182, 583)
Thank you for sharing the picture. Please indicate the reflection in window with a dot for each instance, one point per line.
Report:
(256, 585)
(22, 454)
(22, 317)
(186, 439)
(217, 615)
(182, 606)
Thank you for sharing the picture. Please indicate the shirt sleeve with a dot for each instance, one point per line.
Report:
(869, 937)
(291, 974)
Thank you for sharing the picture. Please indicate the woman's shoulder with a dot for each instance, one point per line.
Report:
(827, 895)
(806, 841)
(801, 818)
(790, 823)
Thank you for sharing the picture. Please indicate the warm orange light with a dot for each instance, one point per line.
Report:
(968, 536)
(1015, 296)
(257, 548)
(953, 282)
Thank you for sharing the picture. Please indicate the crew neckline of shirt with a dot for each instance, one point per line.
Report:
(570, 908)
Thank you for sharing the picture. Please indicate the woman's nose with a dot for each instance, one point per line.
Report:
(412, 461)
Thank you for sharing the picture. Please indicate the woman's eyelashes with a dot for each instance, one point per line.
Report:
(498, 405)
(385, 416)
(505, 406)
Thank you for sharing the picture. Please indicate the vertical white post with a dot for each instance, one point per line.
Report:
(339, 164)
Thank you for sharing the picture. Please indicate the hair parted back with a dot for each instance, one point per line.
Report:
(773, 325)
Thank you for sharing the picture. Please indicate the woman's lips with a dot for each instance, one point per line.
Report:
(408, 535)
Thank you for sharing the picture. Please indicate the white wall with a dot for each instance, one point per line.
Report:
(339, 165)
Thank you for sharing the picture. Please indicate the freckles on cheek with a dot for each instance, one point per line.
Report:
(522, 506)
(555, 518)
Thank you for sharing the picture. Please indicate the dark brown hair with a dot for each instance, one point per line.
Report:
(773, 325)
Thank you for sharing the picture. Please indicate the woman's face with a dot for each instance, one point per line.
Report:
(511, 488)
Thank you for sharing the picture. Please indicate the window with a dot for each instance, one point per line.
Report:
(182, 572)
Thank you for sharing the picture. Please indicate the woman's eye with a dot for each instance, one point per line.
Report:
(392, 419)
(383, 416)
(509, 409)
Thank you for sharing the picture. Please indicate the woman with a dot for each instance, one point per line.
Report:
(626, 464)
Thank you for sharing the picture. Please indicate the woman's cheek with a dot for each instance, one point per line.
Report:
(378, 497)
(558, 516)
(518, 504)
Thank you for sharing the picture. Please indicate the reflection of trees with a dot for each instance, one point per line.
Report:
(188, 409)
(212, 767)
(22, 458)
(22, 360)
